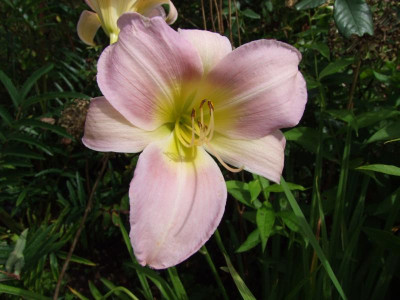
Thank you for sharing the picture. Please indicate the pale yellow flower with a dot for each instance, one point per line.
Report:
(106, 13)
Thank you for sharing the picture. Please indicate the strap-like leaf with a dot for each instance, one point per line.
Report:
(33, 79)
(12, 91)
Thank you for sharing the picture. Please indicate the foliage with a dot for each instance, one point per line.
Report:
(332, 227)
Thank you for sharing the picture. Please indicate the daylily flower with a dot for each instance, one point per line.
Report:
(107, 12)
(179, 97)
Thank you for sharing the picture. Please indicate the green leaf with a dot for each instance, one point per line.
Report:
(12, 91)
(253, 239)
(32, 80)
(53, 95)
(243, 289)
(386, 169)
(290, 220)
(36, 123)
(265, 220)
(77, 294)
(254, 189)
(388, 132)
(382, 77)
(22, 152)
(321, 48)
(335, 67)
(240, 191)
(11, 290)
(4, 114)
(112, 286)
(353, 17)
(95, 292)
(306, 4)
(372, 117)
(76, 259)
(250, 14)
(307, 232)
(277, 188)
(384, 239)
(31, 141)
(177, 284)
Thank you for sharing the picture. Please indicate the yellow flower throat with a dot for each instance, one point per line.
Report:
(192, 132)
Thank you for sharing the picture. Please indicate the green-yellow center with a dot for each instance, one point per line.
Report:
(197, 129)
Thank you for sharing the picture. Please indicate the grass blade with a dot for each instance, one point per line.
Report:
(310, 236)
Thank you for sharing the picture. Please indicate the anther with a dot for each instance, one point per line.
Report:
(210, 106)
(193, 113)
(202, 103)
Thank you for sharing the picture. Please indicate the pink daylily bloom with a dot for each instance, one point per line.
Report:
(179, 97)
(106, 13)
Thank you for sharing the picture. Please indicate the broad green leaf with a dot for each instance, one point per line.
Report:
(382, 77)
(321, 48)
(372, 117)
(254, 189)
(252, 240)
(11, 290)
(289, 219)
(335, 67)
(306, 4)
(265, 220)
(389, 132)
(344, 115)
(353, 17)
(12, 91)
(384, 239)
(250, 14)
(386, 169)
(240, 191)
(33, 79)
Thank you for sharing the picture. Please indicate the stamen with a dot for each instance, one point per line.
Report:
(179, 135)
(201, 110)
(213, 152)
(193, 130)
(210, 130)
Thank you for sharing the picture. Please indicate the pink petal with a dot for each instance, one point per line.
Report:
(107, 130)
(211, 46)
(87, 27)
(143, 75)
(260, 89)
(90, 4)
(264, 156)
(176, 205)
